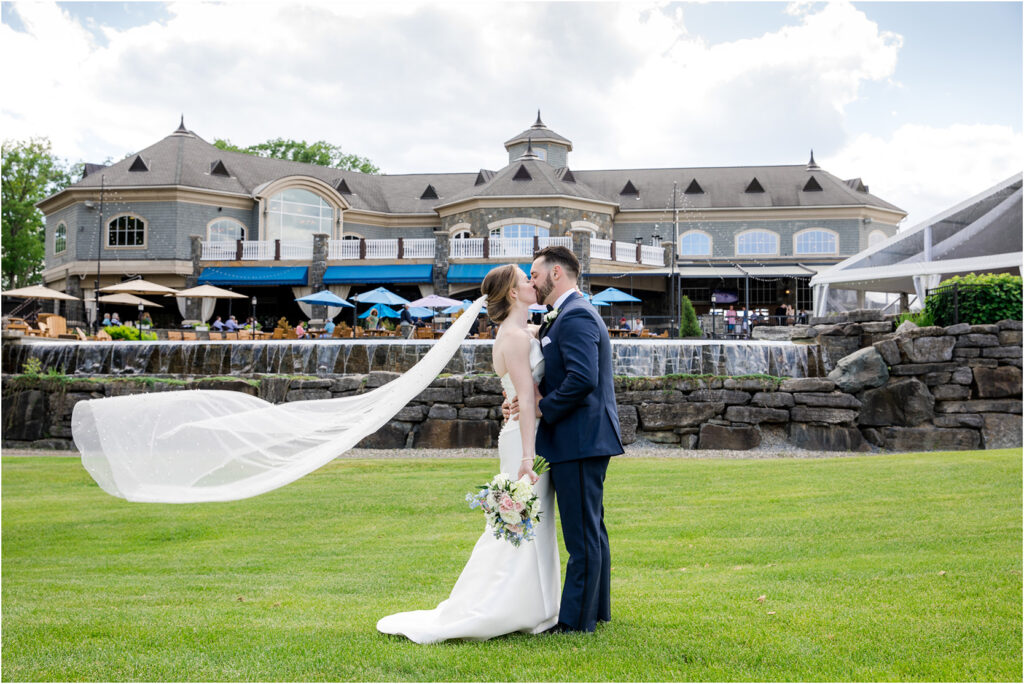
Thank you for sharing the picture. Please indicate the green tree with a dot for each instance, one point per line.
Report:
(31, 172)
(320, 152)
(688, 325)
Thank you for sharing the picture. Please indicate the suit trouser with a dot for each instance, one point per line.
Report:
(579, 489)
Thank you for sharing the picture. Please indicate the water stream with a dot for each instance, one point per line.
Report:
(338, 357)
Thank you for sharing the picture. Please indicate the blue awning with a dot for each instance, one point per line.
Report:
(254, 275)
(474, 273)
(382, 273)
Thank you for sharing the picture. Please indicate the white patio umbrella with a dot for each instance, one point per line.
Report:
(129, 300)
(39, 292)
(209, 294)
(139, 287)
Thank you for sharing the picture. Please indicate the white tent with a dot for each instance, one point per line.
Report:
(980, 235)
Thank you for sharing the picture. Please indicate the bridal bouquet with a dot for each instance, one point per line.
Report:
(511, 507)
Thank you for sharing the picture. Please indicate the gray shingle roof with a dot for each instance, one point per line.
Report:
(185, 159)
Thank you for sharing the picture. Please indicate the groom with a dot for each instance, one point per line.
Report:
(577, 432)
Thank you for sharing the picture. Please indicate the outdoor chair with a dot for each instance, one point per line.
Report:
(278, 334)
(483, 335)
(103, 335)
(359, 331)
(290, 334)
(81, 335)
(424, 334)
(231, 336)
(174, 334)
(214, 335)
(189, 336)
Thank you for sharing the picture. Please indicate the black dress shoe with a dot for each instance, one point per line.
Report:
(559, 628)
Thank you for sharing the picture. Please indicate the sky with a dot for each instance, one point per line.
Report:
(922, 100)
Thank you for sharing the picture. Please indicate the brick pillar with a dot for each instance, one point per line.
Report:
(440, 272)
(193, 306)
(317, 270)
(581, 248)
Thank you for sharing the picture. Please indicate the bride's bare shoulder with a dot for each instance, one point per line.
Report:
(511, 345)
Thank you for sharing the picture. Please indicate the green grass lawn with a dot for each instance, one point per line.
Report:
(902, 567)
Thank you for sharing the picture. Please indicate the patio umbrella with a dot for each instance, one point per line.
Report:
(326, 298)
(209, 292)
(139, 287)
(466, 303)
(381, 295)
(435, 301)
(129, 300)
(610, 296)
(39, 292)
(383, 311)
(421, 312)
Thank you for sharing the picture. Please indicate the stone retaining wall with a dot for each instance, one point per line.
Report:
(910, 389)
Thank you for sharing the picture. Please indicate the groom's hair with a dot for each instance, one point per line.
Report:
(562, 256)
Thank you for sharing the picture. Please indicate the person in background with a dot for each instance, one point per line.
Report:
(300, 331)
(115, 319)
(730, 319)
(145, 319)
(779, 318)
(372, 320)
(636, 327)
(329, 327)
(624, 324)
(474, 329)
(218, 324)
(106, 321)
(802, 317)
(406, 323)
(790, 318)
(231, 325)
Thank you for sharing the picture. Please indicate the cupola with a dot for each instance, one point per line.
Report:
(544, 143)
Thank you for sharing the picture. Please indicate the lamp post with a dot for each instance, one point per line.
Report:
(99, 252)
(676, 300)
(254, 317)
(138, 323)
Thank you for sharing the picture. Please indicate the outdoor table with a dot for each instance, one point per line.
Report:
(619, 332)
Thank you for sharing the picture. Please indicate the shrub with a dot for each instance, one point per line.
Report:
(688, 325)
(983, 298)
(123, 332)
(919, 318)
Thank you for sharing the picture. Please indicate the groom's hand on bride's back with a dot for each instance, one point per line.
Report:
(510, 409)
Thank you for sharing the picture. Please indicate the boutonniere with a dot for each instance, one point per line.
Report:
(550, 316)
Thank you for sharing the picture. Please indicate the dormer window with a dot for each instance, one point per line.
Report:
(60, 238)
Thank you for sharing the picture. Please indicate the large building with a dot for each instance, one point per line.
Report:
(184, 212)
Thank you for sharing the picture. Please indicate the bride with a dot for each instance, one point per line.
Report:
(503, 588)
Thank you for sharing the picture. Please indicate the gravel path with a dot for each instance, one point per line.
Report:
(636, 450)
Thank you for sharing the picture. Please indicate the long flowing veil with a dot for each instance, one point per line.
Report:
(212, 445)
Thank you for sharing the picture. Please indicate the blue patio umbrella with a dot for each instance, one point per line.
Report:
(590, 298)
(421, 312)
(466, 303)
(380, 295)
(613, 295)
(325, 298)
(383, 311)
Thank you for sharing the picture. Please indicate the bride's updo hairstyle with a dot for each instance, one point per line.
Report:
(498, 286)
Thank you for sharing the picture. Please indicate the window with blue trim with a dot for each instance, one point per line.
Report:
(695, 243)
(757, 242)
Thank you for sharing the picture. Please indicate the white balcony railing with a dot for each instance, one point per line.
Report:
(652, 256)
(298, 250)
(600, 249)
(626, 252)
(257, 250)
(503, 248)
(219, 250)
(412, 248)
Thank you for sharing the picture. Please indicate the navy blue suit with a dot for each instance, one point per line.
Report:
(577, 434)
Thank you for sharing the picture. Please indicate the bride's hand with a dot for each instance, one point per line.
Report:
(526, 469)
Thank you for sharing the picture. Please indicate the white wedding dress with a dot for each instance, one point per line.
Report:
(503, 588)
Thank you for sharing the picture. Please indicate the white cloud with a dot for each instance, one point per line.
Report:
(438, 87)
(925, 169)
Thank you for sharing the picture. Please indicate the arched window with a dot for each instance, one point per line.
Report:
(462, 235)
(225, 229)
(350, 236)
(876, 237)
(757, 242)
(815, 241)
(60, 238)
(695, 243)
(126, 231)
(519, 230)
(297, 214)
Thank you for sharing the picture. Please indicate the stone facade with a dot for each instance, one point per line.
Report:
(559, 218)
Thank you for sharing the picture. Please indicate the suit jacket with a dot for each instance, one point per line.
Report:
(580, 419)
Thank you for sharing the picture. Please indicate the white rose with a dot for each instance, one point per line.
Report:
(522, 490)
(511, 517)
(500, 480)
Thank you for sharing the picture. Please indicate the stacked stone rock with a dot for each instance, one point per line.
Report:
(911, 389)
(957, 387)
